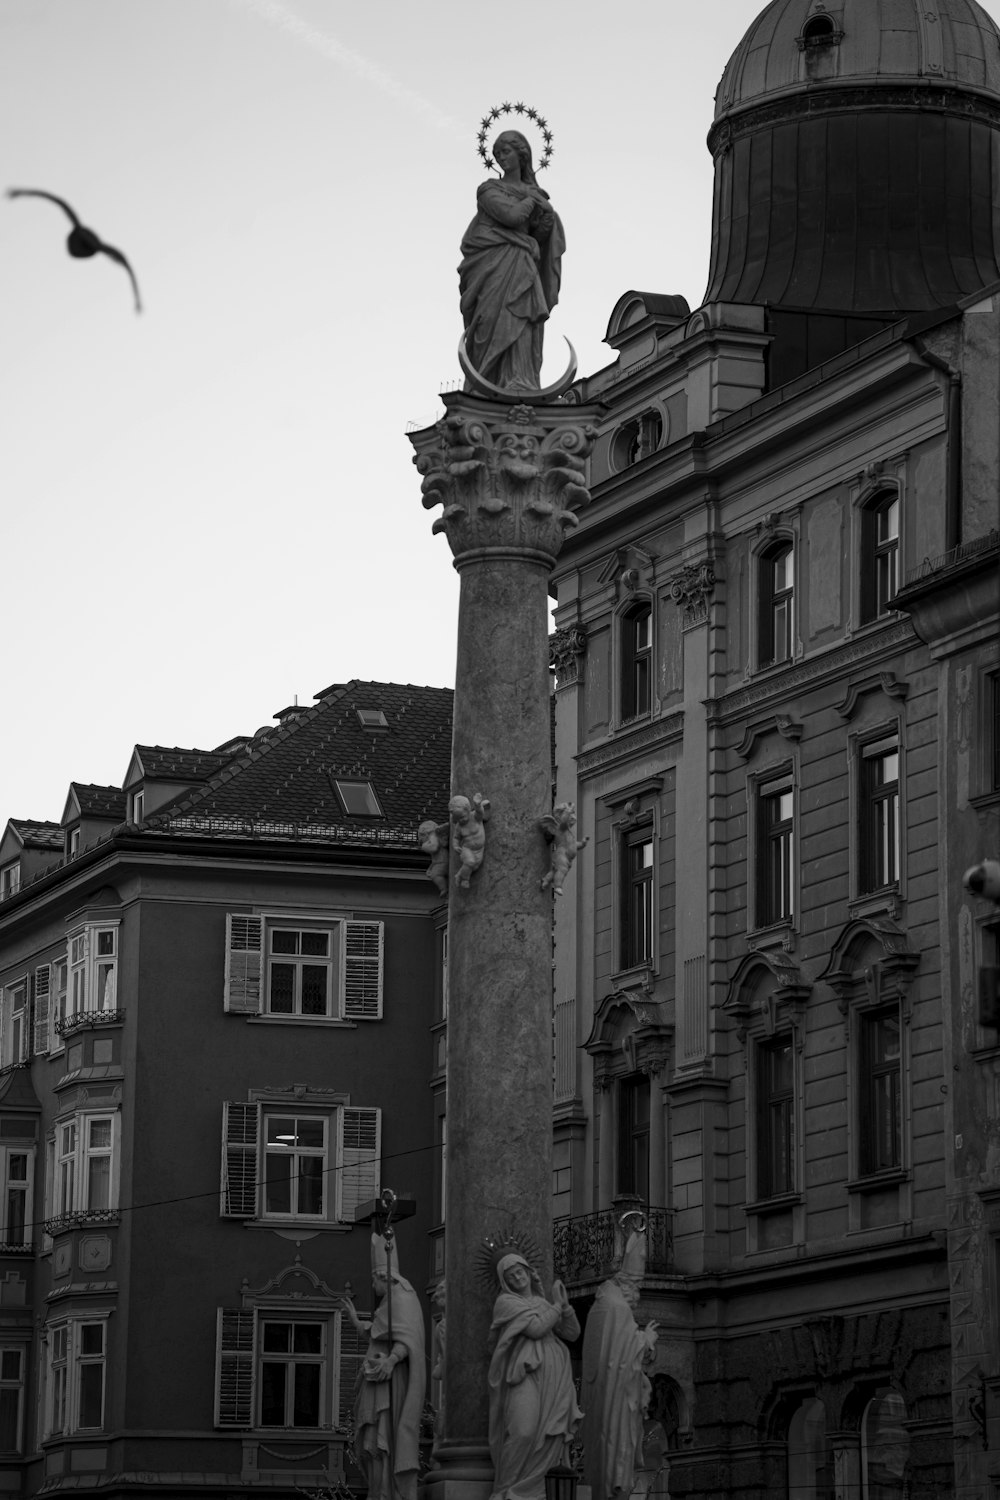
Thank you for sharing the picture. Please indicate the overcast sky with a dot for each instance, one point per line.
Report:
(211, 508)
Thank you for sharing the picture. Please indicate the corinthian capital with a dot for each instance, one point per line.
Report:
(510, 477)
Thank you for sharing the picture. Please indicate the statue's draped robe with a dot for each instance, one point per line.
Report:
(509, 283)
(612, 1393)
(387, 1413)
(533, 1410)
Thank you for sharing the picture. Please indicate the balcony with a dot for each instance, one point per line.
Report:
(588, 1248)
(80, 1219)
(87, 1020)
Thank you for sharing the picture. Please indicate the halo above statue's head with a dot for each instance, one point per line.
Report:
(525, 112)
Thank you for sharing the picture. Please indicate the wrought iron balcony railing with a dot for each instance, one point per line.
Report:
(586, 1248)
(79, 1219)
(82, 1020)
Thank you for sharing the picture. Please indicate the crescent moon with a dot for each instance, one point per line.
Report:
(487, 388)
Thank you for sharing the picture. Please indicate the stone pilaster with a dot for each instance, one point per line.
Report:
(508, 476)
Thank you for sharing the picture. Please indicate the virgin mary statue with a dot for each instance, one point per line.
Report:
(510, 271)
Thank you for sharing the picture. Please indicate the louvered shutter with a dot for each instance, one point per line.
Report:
(43, 981)
(363, 945)
(240, 1131)
(359, 1148)
(5, 1028)
(235, 1367)
(351, 1349)
(244, 963)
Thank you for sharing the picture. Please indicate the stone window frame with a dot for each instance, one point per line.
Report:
(771, 533)
(625, 656)
(634, 809)
(985, 789)
(779, 774)
(890, 897)
(879, 479)
(871, 969)
(765, 594)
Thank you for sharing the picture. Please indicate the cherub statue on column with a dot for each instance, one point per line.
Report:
(468, 834)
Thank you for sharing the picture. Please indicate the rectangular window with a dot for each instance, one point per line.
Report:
(86, 1167)
(295, 1159)
(310, 1164)
(358, 798)
(775, 1118)
(633, 1136)
(637, 661)
(15, 1044)
(292, 1366)
(880, 1089)
(279, 1366)
(775, 827)
(18, 1165)
(301, 971)
(878, 816)
(92, 957)
(10, 879)
(776, 599)
(637, 899)
(60, 994)
(11, 1398)
(879, 555)
(77, 1374)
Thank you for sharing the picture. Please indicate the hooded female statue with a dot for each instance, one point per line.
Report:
(510, 271)
(533, 1410)
(391, 1382)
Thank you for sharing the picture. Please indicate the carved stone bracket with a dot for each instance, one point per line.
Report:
(566, 646)
(510, 478)
(690, 589)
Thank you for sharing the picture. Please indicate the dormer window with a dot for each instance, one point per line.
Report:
(10, 879)
(73, 845)
(819, 31)
(637, 440)
(358, 798)
(136, 806)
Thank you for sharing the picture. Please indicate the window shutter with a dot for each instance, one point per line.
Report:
(363, 946)
(240, 1130)
(351, 1349)
(359, 1159)
(43, 981)
(244, 963)
(235, 1366)
(5, 1028)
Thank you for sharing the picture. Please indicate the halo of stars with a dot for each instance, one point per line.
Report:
(528, 113)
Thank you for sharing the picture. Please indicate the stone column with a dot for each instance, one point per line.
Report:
(507, 474)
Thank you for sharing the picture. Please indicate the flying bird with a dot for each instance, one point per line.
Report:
(81, 242)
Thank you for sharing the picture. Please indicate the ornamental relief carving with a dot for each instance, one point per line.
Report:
(690, 589)
(566, 647)
(508, 478)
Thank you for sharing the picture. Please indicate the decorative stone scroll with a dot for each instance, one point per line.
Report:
(690, 589)
(510, 477)
(566, 646)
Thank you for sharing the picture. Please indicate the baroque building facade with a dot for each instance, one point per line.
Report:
(776, 702)
(218, 981)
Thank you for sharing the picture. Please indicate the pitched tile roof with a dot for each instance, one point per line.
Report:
(38, 835)
(163, 763)
(99, 801)
(283, 784)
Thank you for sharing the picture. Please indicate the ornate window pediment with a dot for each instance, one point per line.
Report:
(871, 957)
(767, 989)
(630, 1034)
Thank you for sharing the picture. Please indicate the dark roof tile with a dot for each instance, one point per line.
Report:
(38, 835)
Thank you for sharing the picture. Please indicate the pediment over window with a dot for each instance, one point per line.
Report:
(893, 687)
(874, 953)
(768, 988)
(295, 1281)
(631, 1034)
(630, 567)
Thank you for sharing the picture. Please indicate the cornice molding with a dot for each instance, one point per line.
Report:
(625, 747)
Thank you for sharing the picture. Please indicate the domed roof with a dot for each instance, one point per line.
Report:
(796, 44)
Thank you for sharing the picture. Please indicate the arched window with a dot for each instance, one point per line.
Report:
(879, 555)
(818, 31)
(636, 660)
(776, 593)
(810, 1468)
(885, 1447)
